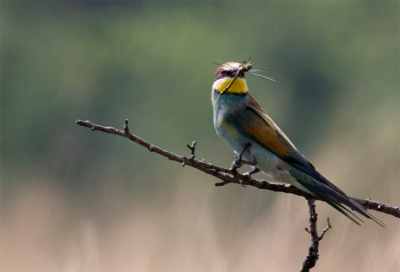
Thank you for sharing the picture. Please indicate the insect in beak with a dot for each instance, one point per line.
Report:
(245, 67)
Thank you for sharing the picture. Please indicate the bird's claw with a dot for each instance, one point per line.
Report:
(238, 162)
(251, 172)
(248, 176)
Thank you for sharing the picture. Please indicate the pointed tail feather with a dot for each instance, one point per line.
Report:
(337, 199)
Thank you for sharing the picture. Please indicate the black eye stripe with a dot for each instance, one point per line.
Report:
(221, 74)
(226, 73)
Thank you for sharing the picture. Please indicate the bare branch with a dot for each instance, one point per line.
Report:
(227, 175)
(378, 206)
(312, 256)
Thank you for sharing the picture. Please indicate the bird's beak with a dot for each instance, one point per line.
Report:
(245, 67)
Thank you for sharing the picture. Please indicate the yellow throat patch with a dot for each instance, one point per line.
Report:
(238, 87)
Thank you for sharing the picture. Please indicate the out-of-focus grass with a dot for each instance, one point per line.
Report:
(76, 200)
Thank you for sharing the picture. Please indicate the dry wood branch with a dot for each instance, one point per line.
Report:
(312, 256)
(226, 175)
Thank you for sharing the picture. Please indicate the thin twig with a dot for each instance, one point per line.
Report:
(226, 175)
(192, 148)
(325, 230)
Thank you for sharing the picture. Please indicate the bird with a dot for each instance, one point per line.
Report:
(247, 128)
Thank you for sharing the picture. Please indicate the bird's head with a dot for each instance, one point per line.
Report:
(229, 78)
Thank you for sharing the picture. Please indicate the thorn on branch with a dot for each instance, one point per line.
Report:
(184, 161)
(126, 128)
(221, 183)
(192, 148)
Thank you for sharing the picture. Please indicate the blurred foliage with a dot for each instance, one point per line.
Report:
(336, 66)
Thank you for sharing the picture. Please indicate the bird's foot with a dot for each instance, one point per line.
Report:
(247, 162)
(253, 170)
(248, 174)
(238, 162)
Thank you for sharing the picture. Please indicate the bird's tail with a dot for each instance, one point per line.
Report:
(332, 195)
(351, 203)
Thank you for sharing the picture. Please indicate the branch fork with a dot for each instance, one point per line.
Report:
(312, 256)
(192, 148)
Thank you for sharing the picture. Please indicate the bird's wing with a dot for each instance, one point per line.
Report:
(260, 126)
(254, 105)
(267, 133)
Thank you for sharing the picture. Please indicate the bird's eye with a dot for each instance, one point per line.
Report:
(223, 73)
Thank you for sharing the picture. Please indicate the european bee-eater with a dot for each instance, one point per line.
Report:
(244, 124)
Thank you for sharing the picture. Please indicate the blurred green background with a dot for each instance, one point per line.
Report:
(76, 200)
